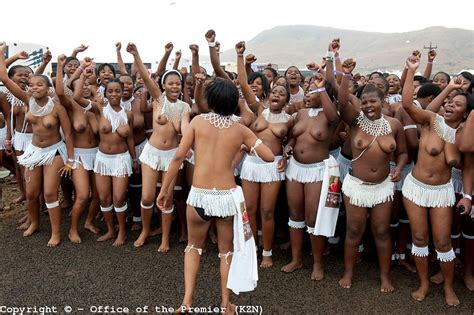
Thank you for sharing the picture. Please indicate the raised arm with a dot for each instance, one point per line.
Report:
(216, 65)
(437, 103)
(121, 64)
(9, 84)
(419, 115)
(348, 113)
(195, 69)
(150, 84)
(22, 55)
(164, 60)
(65, 100)
(249, 59)
(249, 96)
(429, 65)
(79, 49)
(328, 107)
(199, 98)
(46, 59)
(177, 58)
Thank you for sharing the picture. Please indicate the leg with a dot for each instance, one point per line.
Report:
(134, 193)
(441, 219)
(295, 196)
(66, 188)
(403, 238)
(180, 198)
(93, 206)
(166, 221)
(419, 231)
(468, 234)
(251, 192)
(33, 189)
(80, 178)
(104, 190)
(356, 222)
(119, 189)
(225, 235)
(52, 181)
(20, 177)
(312, 193)
(149, 180)
(197, 231)
(380, 222)
(268, 199)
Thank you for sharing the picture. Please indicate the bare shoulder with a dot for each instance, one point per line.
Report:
(394, 123)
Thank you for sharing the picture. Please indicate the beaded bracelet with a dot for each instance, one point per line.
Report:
(349, 75)
(212, 44)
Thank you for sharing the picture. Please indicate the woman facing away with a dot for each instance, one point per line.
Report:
(216, 139)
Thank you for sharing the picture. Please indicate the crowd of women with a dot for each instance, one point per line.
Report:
(332, 149)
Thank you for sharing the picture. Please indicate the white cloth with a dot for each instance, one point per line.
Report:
(304, 173)
(35, 156)
(405, 171)
(22, 140)
(3, 137)
(216, 203)
(367, 195)
(456, 176)
(139, 149)
(429, 196)
(116, 165)
(243, 272)
(345, 166)
(254, 169)
(86, 157)
(157, 159)
(328, 207)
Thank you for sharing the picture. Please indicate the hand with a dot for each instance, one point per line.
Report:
(9, 149)
(357, 77)
(23, 55)
(323, 63)
(431, 55)
(3, 46)
(47, 56)
(313, 66)
(61, 60)
(281, 166)
(132, 49)
(218, 47)
(334, 45)
(118, 46)
(240, 47)
(343, 135)
(457, 82)
(184, 72)
(288, 151)
(163, 201)
(210, 36)
(348, 66)
(413, 62)
(395, 174)
(86, 62)
(189, 154)
(81, 48)
(136, 166)
(250, 58)
(194, 49)
(66, 170)
(177, 54)
(199, 78)
(416, 53)
(467, 205)
(319, 80)
(169, 48)
(88, 72)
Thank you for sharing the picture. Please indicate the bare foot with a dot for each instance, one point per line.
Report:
(437, 278)
(346, 280)
(285, 246)
(19, 199)
(450, 296)
(91, 228)
(267, 262)
(140, 241)
(54, 240)
(229, 309)
(25, 225)
(182, 309)
(318, 272)
(23, 219)
(292, 266)
(120, 239)
(107, 236)
(31, 229)
(156, 232)
(469, 281)
(386, 285)
(409, 267)
(136, 226)
(74, 237)
(164, 247)
(420, 294)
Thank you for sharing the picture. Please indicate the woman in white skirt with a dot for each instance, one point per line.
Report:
(216, 139)
(428, 189)
(306, 150)
(261, 181)
(170, 119)
(374, 139)
(85, 129)
(113, 163)
(47, 158)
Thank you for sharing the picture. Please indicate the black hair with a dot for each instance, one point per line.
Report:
(128, 75)
(69, 59)
(370, 88)
(273, 71)
(13, 69)
(468, 76)
(162, 78)
(286, 71)
(428, 89)
(419, 78)
(222, 96)
(448, 77)
(230, 75)
(380, 74)
(102, 66)
(265, 85)
(44, 78)
(385, 84)
(287, 89)
(114, 80)
(469, 100)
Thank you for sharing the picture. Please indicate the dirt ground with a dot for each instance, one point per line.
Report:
(87, 276)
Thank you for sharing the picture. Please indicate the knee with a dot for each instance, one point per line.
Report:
(442, 244)
(353, 232)
(381, 233)
(296, 215)
(32, 195)
(82, 199)
(420, 238)
(50, 196)
(119, 199)
(267, 214)
(148, 199)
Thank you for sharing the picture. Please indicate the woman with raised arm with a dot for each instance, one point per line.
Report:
(428, 189)
(308, 154)
(114, 159)
(170, 118)
(261, 181)
(47, 158)
(85, 130)
(216, 139)
(374, 139)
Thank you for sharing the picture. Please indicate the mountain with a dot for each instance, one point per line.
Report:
(300, 44)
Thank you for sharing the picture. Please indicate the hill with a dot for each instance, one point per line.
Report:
(300, 44)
